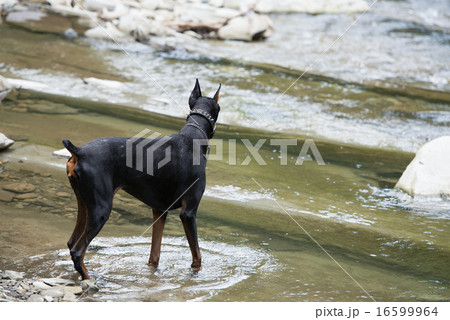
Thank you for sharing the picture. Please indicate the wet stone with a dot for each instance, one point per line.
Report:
(54, 293)
(63, 194)
(76, 290)
(25, 196)
(57, 282)
(35, 298)
(41, 285)
(20, 187)
(69, 297)
(6, 196)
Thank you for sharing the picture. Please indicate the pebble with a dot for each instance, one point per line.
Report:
(24, 196)
(14, 287)
(20, 187)
(63, 194)
(6, 196)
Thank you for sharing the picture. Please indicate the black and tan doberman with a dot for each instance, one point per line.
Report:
(98, 169)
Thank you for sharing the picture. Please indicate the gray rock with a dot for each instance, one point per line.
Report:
(76, 290)
(70, 33)
(6, 196)
(25, 196)
(57, 282)
(39, 285)
(89, 286)
(5, 142)
(69, 297)
(35, 298)
(247, 28)
(20, 187)
(12, 275)
(48, 299)
(54, 293)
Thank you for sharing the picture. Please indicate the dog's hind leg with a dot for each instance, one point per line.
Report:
(188, 217)
(80, 224)
(98, 212)
(159, 220)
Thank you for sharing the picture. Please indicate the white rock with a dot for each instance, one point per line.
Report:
(35, 298)
(118, 11)
(201, 13)
(40, 285)
(69, 297)
(304, 6)
(69, 11)
(76, 290)
(428, 174)
(5, 84)
(95, 5)
(157, 4)
(247, 28)
(12, 275)
(63, 153)
(5, 142)
(104, 83)
(57, 281)
(54, 293)
(108, 31)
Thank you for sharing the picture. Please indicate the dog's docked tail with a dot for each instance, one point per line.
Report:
(73, 161)
(72, 149)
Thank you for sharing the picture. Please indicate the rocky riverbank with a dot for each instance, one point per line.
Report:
(128, 20)
(16, 286)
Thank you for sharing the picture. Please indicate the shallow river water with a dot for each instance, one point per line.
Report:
(310, 232)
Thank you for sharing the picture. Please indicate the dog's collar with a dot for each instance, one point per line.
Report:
(205, 115)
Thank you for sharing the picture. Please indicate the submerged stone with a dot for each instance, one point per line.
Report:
(20, 187)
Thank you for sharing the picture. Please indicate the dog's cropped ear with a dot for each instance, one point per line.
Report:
(195, 94)
(217, 95)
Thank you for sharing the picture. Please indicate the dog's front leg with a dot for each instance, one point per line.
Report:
(159, 220)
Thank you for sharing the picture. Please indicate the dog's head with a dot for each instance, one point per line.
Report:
(208, 105)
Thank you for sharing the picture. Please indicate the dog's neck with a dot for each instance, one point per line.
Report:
(199, 125)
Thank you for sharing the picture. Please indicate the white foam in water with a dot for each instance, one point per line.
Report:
(388, 199)
(120, 265)
(233, 193)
